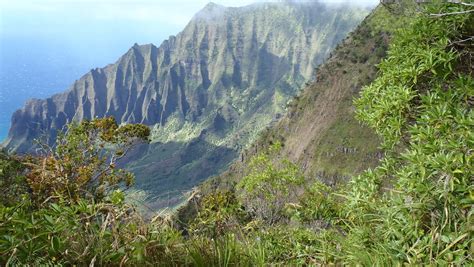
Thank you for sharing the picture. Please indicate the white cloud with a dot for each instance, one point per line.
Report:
(176, 12)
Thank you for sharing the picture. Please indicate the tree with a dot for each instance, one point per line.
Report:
(83, 162)
(270, 185)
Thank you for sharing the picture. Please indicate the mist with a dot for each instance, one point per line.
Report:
(46, 44)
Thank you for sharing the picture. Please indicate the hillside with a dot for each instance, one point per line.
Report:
(206, 92)
(339, 192)
(320, 132)
(413, 207)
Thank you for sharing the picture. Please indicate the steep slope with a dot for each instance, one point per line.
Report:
(214, 86)
(416, 206)
(320, 132)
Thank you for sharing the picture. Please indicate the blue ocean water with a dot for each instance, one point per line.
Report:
(33, 69)
(46, 45)
(40, 66)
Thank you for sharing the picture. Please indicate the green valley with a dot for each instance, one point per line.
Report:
(370, 164)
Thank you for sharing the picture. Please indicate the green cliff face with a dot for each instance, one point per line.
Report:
(206, 92)
(319, 132)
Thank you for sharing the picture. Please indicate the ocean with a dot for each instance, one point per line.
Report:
(38, 67)
(34, 69)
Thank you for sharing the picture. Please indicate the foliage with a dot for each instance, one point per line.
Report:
(83, 162)
(12, 179)
(416, 208)
(85, 232)
(421, 105)
(270, 185)
(318, 203)
(219, 213)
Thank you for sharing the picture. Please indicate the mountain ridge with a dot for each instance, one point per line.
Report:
(319, 131)
(219, 81)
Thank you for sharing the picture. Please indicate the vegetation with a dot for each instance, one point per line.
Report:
(55, 205)
(421, 106)
(270, 185)
(83, 161)
(416, 208)
(218, 103)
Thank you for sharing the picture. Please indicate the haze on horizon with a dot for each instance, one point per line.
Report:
(176, 12)
(47, 44)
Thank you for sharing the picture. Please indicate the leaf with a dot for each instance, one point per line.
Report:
(49, 219)
(55, 243)
(445, 239)
(55, 207)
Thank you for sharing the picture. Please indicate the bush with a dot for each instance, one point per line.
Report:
(420, 106)
(13, 184)
(219, 213)
(84, 159)
(270, 185)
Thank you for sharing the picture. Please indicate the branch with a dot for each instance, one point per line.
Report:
(452, 13)
(463, 40)
(49, 198)
(459, 2)
(113, 160)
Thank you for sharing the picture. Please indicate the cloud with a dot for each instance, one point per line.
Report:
(175, 12)
(159, 18)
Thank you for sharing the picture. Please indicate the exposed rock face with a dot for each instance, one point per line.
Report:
(221, 80)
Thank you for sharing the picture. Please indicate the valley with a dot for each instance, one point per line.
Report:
(219, 83)
(276, 134)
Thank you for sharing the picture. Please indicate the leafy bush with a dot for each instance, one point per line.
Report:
(83, 160)
(421, 105)
(219, 213)
(85, 233)
(13, 184)
(317, 204)
(270, 185)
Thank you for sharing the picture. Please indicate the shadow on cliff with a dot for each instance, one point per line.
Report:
(166, 171)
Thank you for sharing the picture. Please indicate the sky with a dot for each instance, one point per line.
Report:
(45, 45)
(111, 26)
(164, 13)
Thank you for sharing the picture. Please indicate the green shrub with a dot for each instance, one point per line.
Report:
(318, 203)
(13, 185)
(83, 161)
(270, 185)
(420, 106)
(220, 213)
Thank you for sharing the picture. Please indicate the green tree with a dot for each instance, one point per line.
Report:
(83, 162)
(270, 185)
